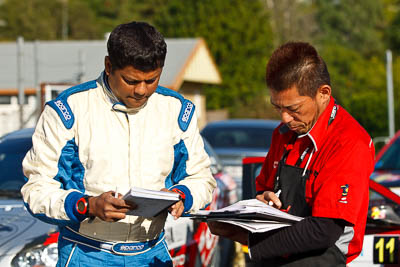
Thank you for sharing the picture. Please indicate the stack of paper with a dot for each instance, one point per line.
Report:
(150, 203)
(252, 215)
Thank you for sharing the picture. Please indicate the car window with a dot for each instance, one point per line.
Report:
(238, 137)
(390, 160)
(11, 155)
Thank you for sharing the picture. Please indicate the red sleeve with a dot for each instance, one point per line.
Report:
(265, 180)
(262, 183)
(341, 188)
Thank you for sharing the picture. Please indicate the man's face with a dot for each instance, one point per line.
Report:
(131, 86)
(298, 112)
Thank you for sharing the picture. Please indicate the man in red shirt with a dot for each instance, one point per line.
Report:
(318, 167)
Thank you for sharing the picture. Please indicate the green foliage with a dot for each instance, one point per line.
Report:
(392, 34)
(356, 24)
(82, 21)
(89, 19)
(351, 38)
(351, 35)
(359, 85)
(292, 20)
(370, 110)
(21, 18)
(109, 13)
(240, 40)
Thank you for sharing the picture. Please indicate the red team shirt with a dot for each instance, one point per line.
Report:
(341, 163)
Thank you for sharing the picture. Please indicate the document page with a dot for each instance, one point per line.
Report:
(150, 203)
(252, 215)
(257, 227)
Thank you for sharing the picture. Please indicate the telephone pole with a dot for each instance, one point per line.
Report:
(20, 79)
(389, 81)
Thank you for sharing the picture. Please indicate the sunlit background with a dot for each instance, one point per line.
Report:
(353, 36)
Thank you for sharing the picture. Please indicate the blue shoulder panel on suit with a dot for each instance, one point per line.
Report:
(60, 104)
(187, 109)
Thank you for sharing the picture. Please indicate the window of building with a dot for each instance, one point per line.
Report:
(5, 100)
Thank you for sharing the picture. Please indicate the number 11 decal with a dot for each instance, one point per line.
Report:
(386, 249)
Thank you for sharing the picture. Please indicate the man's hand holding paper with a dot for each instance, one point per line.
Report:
(230, 231)
(109, 207)
(270, 198)
(176, 210)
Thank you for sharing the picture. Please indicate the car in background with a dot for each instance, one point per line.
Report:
(382, 240)
(381, 246)
(235, 139)
(20, 233)
(26, 241)
(387, 165)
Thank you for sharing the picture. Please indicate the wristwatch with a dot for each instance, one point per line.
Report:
(181, 194)
(82, 206)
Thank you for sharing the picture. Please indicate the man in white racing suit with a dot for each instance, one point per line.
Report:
(114, 133)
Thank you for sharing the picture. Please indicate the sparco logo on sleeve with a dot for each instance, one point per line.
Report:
(186, 113)
(63, 110)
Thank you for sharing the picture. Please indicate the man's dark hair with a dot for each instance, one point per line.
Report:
(136, 44)
(297, 64)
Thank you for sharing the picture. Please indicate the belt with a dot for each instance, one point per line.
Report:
(119, 248)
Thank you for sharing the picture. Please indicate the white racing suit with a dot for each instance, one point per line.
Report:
(86, 143)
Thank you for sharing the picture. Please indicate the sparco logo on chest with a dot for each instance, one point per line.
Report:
(63, 109)
(188, 110)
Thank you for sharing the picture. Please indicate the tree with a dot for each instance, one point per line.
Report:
(359, 85)
(32, 19)
(109, 13)
(292, 20)
(392, 34)
(351, 35)
(392, 23)
(351, 39)
(83, 20)
(240, 39)
(357, 24)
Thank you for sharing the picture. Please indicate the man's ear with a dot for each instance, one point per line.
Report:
(324, 93)
(107, 65)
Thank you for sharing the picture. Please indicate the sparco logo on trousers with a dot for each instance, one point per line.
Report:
(132, 247)
(188, 110)
(63, 110)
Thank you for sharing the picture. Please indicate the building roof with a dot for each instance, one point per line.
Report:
(188, 59)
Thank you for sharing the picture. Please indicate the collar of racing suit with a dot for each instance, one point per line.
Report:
(116, 104)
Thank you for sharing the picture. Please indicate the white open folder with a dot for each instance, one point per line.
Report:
(252, 215)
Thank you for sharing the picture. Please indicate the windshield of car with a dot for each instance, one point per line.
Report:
(239, 137)
(12, 152)
(390, 160)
